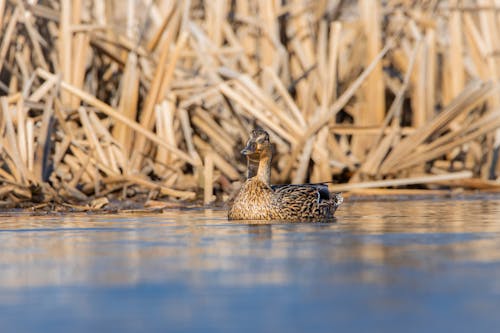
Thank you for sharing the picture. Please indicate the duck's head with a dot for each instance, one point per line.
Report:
(258, 145)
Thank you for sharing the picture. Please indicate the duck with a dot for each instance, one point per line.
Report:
(257, 199)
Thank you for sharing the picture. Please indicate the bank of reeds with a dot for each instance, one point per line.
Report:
(120, 97)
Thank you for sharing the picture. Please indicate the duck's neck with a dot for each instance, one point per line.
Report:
(252, 166)
(264, 169)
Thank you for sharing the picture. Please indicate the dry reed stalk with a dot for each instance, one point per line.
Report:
(322, 56)
(30, 138)
(371, 130)
(333, 55)
(77, 170)
(236, 48)
(488, 21)
(242, 10)
(423, 156)
(18, 145)
(398, 192)
(488, 119)
(100, 12)
(165, 128)
(255, 112)
(81, 45)
(2, 11)
(267, 103)
(6, 189)
(340, 152)
(430, 74)
(382, 145)
(23, 175)
(419, 95)
(374, 88)
(161, 82)
(65, 47)
(41, 152)
(7, 177)
(208, 179)
(476, 46)
(221, 140)
(61, 151)
(470, 97)
(169, 70)
(204, 49)
(219, 162)
(324, 118)
(7, 37)
(473, 183)
(215, 11)
(110, 50)
(74, 192)
(102, 130)
(21, 132)
(93, 167)
(402, 181)
(303, 163)
(185, 195)
(82, 165)
(489, 29)
(320, 156)
(187, 131)
(128, 102)
(153, 42)
(377, 154)
(35, 38)
(42, 11)
(92, 136)
(348, 93)
(106, 109)
(42, 90)
(268, 27)
(23, 67)
(21, 193)
(294, 109)
(185, 15)
(201, 98)
(13, 98)
(113, 160)
(456, 75)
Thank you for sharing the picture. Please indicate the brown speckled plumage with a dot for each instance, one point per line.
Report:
(259, 200)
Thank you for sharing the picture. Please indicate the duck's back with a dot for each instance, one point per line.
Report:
(305, 202)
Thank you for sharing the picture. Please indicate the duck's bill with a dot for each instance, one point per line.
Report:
(248, 150)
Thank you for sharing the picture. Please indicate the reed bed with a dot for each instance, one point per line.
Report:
(118, 98)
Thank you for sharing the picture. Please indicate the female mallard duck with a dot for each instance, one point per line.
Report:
(259, 200)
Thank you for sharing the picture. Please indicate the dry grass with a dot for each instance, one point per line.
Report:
(121, 97)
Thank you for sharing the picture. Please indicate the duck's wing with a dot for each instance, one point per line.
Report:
(305, 194)
(308, 201)
(319, 190)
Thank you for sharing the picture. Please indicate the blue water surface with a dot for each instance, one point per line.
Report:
(404, 266)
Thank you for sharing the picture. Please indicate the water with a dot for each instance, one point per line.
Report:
(409, 266)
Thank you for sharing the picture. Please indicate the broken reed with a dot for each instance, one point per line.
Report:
(163, 103)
